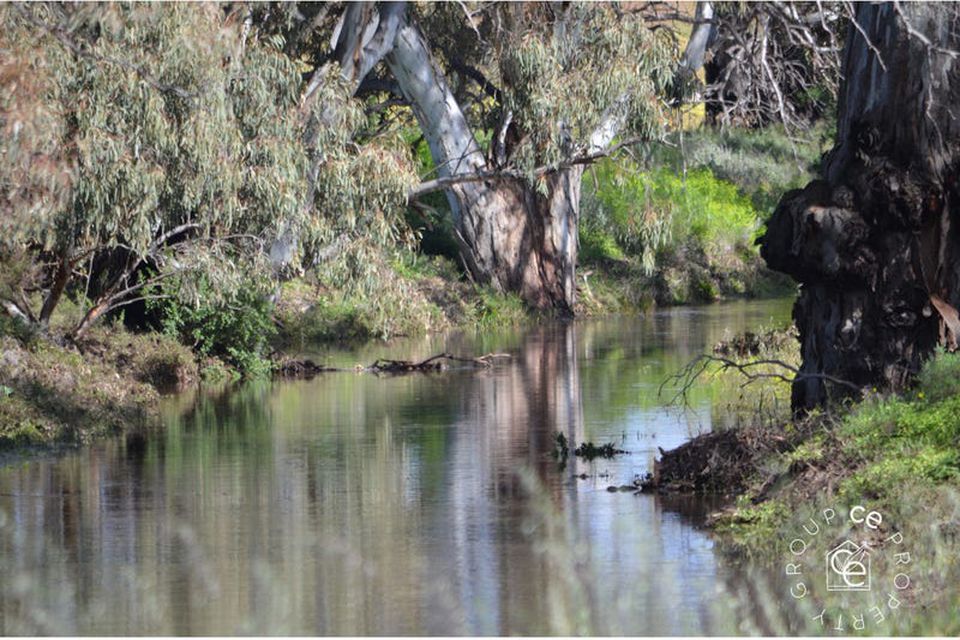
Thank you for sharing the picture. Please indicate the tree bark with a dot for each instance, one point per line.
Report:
(874, 242)
(522, 241)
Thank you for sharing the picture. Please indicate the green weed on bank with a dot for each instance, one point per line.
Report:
(899, 455)
(630, 211)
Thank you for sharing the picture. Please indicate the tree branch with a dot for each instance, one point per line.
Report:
(474, 74)
(14, 311)
(437, 184)
(692, 371)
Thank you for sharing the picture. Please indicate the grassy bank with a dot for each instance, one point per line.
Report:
(421, 294)
(52, 394)
(897, 455)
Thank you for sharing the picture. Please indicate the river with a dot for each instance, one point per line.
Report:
(353, 504)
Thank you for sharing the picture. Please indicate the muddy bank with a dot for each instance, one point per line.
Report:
(721, 462)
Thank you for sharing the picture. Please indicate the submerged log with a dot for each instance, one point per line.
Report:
(433, 363)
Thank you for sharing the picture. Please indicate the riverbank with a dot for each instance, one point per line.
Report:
(55, 394)
(897, 455)
(428, 294)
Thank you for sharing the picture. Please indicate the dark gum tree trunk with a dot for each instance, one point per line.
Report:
(873, 243)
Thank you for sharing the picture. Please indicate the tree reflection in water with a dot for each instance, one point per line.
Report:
(353, 505)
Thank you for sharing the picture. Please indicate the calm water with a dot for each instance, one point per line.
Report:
(355, 504)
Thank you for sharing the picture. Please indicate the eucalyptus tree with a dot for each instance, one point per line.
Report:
(558, 86)
(874, 242)
(145, 143)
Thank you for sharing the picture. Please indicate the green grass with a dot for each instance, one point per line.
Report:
(58, 395)
(494, 310)
(762, 163)
(754, 526)
(683, 228)
(913, 439)
(897, 454)
(630, 211)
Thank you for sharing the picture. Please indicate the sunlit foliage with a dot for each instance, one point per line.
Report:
(172, 137)
(569, 71)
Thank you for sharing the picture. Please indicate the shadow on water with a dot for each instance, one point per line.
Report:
(354, 505)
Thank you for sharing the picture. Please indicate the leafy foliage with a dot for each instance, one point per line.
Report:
(172, 138)
(237, 329)
(763, 163)
(647, 211)
(566, 71)
(940, 377)
(908, 440)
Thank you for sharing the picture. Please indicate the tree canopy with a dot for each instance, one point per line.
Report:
(172, 137)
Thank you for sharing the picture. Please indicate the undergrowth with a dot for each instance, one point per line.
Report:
(884, 443)
(683, 225)
(899, 455)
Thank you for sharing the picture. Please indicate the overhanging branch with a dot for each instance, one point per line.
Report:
(438, 184)
(692, 371)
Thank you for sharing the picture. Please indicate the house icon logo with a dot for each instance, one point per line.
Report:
(848, 567)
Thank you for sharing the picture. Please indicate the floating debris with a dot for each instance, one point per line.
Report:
(589, 451)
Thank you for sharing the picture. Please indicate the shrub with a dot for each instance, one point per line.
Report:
(763, 163)
(645, 212)
(237, 330)
(940, 377)
(390, 299)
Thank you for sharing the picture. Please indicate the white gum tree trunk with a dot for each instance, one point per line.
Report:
(512, 236)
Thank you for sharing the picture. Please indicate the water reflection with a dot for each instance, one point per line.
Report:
(355, 505)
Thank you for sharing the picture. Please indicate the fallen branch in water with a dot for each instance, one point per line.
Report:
(433, 363)
(301, 369)
(309, 369)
